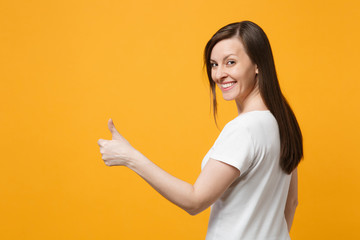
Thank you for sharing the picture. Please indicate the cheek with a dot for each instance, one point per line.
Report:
(213, 75)
(238, 74)
(247, 76)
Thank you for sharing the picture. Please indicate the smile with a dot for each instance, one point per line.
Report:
(227, 86)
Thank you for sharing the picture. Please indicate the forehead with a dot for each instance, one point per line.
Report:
(227, 47)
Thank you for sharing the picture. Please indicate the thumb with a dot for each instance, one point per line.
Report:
(115, 134)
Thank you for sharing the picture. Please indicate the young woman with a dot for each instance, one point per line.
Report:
(249, 176)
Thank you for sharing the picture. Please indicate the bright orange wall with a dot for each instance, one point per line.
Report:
(68, 66)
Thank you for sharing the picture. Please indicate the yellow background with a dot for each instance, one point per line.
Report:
(68, 66)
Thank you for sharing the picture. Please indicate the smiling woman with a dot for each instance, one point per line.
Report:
(257, 47)
(249, 176)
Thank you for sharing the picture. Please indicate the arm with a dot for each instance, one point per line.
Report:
(212, 182)
(292, 199)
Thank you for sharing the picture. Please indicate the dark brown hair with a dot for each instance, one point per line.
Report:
(258, 48)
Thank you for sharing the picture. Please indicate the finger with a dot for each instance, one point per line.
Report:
(105, 157)
(111, 163)
(101, 142)
(102, 151)
(115, 134)
(108, 163)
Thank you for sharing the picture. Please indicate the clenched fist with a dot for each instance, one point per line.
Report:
(117, 151)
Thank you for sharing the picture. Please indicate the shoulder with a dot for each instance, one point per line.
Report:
(248, 121)
(259, 126)
(239, 141)
(235, 131)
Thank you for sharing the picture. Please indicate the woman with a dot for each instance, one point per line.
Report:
(249, 176)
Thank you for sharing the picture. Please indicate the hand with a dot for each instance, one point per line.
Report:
(118, 151)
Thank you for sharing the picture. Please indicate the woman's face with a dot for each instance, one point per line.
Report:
(232, 70)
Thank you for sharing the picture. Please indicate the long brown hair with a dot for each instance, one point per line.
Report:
(258, 48)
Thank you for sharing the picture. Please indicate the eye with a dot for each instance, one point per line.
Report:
(213, 65)
(230, 62)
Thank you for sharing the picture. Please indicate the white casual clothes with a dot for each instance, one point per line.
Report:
(252, 208)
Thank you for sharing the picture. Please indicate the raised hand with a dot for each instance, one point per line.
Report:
(118, 151)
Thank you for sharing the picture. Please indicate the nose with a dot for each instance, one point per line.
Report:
(219, 74)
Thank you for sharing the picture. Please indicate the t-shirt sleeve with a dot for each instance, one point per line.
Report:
(234, 146)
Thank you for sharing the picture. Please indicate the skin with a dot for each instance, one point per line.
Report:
(230, 64)
(292, 199)
(212, 182)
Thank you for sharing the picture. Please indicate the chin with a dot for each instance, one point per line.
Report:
(229, 97)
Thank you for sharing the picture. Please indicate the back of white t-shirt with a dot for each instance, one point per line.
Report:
(253, 206)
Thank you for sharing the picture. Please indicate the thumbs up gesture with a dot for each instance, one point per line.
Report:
(117, 151)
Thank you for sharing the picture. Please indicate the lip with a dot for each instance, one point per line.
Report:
(228, 88)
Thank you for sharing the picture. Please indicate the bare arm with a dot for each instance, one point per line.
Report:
(292, 199)
(212, 182)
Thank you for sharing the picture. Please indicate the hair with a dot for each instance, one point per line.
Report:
(258, 49)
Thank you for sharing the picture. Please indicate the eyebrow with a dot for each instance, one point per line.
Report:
(211, 60)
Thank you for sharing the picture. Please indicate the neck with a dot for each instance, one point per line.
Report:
(252, 102)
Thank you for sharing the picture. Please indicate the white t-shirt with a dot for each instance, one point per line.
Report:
(252, 208)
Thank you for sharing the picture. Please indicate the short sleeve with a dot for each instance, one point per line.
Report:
(234, 146)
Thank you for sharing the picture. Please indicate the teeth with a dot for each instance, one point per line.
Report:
(226, 85)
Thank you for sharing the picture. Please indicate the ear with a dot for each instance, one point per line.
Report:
(256, 69)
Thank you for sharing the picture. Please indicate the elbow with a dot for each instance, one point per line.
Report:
(195, 208)
(193, 211)
(291, 206)
(196, 203)
(295, 203)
